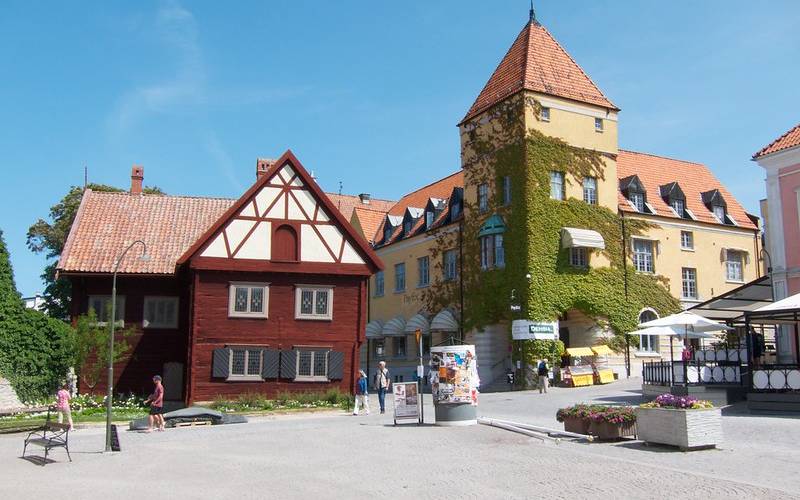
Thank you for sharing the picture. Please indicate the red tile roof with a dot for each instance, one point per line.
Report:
(346, 203)
(538, 63)
(693, 178)
(788, 140)
(107, 222)
(369, 220)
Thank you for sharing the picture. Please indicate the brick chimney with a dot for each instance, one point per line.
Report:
(262, 165)
(137, 176)
(364, 197)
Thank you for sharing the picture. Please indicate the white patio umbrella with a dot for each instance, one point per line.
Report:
(692, 326)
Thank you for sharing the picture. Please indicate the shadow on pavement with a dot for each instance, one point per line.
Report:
(37, 460)
(626, 400)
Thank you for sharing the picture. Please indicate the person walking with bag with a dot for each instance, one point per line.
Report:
(362, 396)
(382, 383)
(62, 405)
(544, 372)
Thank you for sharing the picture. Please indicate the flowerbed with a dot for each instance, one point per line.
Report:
(605, 422)
(251, 402)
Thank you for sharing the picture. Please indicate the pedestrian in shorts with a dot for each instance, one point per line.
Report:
(156, 401)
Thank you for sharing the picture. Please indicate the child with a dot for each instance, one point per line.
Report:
(362, 397)
(62, 405)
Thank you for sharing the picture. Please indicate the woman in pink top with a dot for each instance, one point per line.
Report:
(62, 405)
(156, 401)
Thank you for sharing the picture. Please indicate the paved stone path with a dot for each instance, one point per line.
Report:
(337, 455)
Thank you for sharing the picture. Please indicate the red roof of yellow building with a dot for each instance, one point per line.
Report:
(537, 62)
(788, 140)
(693, 178)
(370, 220)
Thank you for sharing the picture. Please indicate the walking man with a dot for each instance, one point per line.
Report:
(382, 384)
(156, 401)
(544, 372)
(362, 396)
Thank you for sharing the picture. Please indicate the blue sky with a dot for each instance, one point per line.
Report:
(365, 93)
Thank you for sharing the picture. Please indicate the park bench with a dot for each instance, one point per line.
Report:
(50, 435)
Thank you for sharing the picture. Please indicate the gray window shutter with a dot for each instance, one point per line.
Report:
(271, 364)
(288, 364)
(335, 365)
(220, 363)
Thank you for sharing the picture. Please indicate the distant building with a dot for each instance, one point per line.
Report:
(35, 302)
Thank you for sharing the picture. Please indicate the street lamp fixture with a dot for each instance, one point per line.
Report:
(109, 397)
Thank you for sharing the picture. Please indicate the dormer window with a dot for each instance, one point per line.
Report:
(678, 206)
(719, 213)
(428, 219)
(672, 194)
(714, 201)
(407, 227)
(387, 232)
(456, 204)
(633, 189)
(433, 209)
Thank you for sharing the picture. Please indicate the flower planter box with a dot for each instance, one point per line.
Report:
(608, 430)
(686, 429)
(578, 425)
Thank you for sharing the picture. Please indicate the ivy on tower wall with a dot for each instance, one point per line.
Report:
(502, 145)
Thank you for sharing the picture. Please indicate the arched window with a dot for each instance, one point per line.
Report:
(284, 244)
(648, 343)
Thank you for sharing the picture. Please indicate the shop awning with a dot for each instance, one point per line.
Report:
(444, 321)
(784, 311)
(580, 351)
(395, 327)
(585, 238)
(493, 225)
(602, 350)
(418, 322)
(731, 306)
(375, 329)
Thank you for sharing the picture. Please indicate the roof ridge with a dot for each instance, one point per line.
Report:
(358, 195)
(662, 156)
(154, 195)
(758, 153)
(430, 184)
(370, 209)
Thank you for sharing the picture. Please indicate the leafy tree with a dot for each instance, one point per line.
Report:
(50, 238)
(35, 350)
(91, 347)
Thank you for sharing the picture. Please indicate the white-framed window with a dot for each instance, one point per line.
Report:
(688, 283)
(160, 312)
(590, 190)
(423, 271)
(679, 206)
(492, 252)
(312, 366)
(450, 265)
(719, 213)
(579, 257)
(643, 256)
(648, 343)
(687, 240)
(245, 364)
(556, 185)
(379, 284)
(544, 114)
(101, 305)
(638, 201)
(499, 251)
(428, 219)
(313, 302)
(400, 277)
(399, 347)
(483, 198)
(507, 190)
(733, 265)
(598, 124)
(248, 300)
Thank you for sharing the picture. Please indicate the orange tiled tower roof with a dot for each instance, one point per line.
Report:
(788, 140)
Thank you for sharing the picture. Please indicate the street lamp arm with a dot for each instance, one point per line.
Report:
(124, 252)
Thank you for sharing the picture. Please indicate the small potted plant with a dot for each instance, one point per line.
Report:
(681, 421)
(576, 417)
(613, 422)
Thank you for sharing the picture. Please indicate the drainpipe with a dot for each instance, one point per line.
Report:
(625, 283)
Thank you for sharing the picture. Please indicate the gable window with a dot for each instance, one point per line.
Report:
(483, 198)
(590, 190)
(450, 265)
(248, 300)
(733, 265)
(400, 277)
(379, 284)
(399, 346)
(598, 124)
(643, 255)
(423, 269)
(245, 364)
(544, 114)
(160, 312)
(506, 190)
(557, 185)
(688, 283)
(313, 302)
(312, 366)
(687, 240)
(648, 343)
(101, 305)
(578, 257)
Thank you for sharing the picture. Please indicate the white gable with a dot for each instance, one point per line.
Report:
(350, 256)
(216, 248)
(259, 244)
(312, 248)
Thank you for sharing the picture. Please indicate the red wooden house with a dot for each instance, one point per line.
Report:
(263, 294)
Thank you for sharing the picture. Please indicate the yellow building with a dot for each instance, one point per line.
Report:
(699, 239)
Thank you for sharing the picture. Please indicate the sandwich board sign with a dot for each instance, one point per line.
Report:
(523, 329)
(406, 401)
